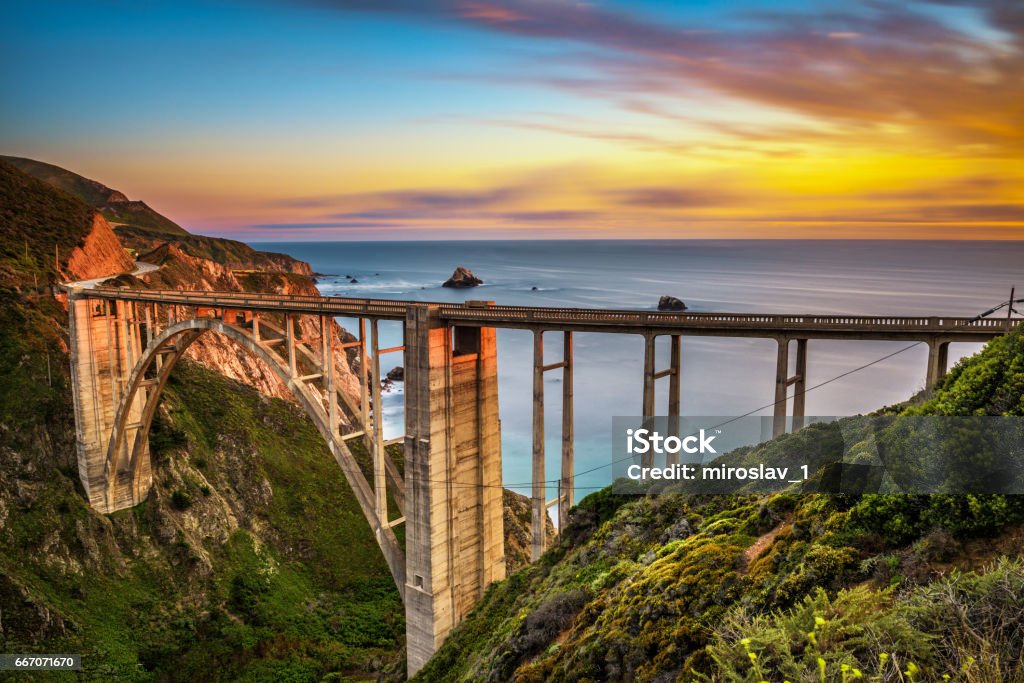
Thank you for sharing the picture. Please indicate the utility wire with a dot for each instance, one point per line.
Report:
(840, 376)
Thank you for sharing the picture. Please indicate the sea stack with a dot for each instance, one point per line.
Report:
(670, 303)
(462, 278)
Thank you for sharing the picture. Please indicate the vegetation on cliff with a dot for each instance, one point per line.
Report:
(250, 559)
(142, 229)
(38, 225)
(781, 587)
(114, 205)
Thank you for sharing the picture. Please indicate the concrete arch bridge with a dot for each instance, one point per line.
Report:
(125, 343)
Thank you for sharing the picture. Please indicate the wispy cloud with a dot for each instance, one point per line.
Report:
(879, 63)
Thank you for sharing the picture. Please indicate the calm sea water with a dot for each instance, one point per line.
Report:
(720, 376)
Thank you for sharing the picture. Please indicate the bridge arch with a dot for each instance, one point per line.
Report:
(127, 453)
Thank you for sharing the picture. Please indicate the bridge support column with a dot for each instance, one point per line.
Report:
(781, 385)
(538, 498)
(651, 376)
(377, 450)
(567, 488)
(101, 350)
(799, 385)
(454, 534)
(938, 359)
(674, 391)
(783, 381)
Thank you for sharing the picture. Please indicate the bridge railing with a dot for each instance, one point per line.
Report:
(546, 315)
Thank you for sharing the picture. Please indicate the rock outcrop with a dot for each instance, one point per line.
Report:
(462, 278)
(99, 254)
(518, 530)
(179, 270)
(671, 303)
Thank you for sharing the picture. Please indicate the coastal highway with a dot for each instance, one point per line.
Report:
(141, 268)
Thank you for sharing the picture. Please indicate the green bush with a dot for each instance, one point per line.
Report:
(180, 500)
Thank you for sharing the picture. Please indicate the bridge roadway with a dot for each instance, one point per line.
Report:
(544, 318)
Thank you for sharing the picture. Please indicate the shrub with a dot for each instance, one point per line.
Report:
(180, 500)
(980, 619)
(822, 638)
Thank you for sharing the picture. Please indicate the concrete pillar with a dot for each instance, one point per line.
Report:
(567, 485)
(538, 510)
(648, 409)
(99, 368)
(289, 335)
(674, 391)
(938, 358)
(454, 536)
(648, 398)
(781, 384)
(364, 385)
(377, 451)
(331, 391)
(800, 385)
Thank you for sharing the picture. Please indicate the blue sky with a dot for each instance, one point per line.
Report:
(530, 118)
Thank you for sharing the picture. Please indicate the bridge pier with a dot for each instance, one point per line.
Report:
(566, 487)
(651, 377)
(783, 380)
(938, 360)
(101, 361)
(539, 504)
(454, 531)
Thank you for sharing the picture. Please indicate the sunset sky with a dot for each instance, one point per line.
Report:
(395, 119)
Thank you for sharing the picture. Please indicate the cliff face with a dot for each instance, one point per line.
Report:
(142, 229)
(99, 254)
(179, 270)
(518, 532)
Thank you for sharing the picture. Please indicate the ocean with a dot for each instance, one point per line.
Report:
(720, 376)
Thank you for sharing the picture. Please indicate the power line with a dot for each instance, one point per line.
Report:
(842, 375)
(816, 386)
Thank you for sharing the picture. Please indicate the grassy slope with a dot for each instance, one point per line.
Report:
(35, 218)
(93, 193)
(249, 561)
(664, 589)
(140, 227)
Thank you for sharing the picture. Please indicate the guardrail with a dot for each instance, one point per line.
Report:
(554, 316)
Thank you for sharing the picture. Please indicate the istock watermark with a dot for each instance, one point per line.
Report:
(853, 455)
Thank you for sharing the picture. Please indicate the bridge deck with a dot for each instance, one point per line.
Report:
(828, 326)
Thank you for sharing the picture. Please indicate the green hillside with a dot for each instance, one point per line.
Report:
(780, 587)
(114, 205)
(142, 229)
(250, 560)
(37, 223)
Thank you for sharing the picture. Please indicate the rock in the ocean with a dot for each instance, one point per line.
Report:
(670, 303)
(396, 374)
(461, 278)
(353, 281)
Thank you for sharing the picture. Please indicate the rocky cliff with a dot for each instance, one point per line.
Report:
(179, 270)
(143, 229)
(99, 254)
